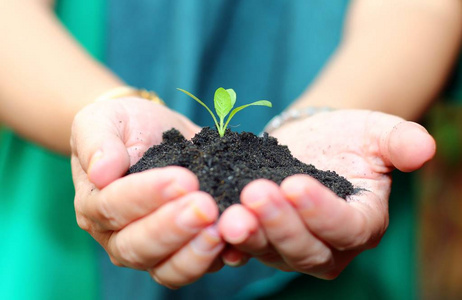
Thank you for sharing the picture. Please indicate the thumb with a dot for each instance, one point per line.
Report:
(98, 146)
(407, 146)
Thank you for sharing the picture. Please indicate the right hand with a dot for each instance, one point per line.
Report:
(156, 220)
(302, 225)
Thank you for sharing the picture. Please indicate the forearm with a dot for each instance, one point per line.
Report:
(394, 57)
(46, 77)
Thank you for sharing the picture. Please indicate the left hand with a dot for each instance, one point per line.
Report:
(302, 225)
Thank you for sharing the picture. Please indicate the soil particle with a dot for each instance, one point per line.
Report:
(225, 165)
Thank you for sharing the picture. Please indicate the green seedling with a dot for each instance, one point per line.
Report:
(224, 101)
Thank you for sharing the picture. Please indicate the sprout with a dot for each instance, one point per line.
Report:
(224, 101)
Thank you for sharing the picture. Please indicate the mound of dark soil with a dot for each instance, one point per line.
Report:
(224, 165)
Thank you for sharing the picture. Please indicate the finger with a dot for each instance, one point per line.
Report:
(410, 146)
(147, 241)
(190, 262)
(283, 227)
(233, 257)
(404, 145)
(237, 223)
(135, 196)
(343, 225)
(97, 143)
(240, 228)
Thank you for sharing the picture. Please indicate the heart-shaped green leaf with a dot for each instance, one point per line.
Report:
(223, 102)
(232, 94)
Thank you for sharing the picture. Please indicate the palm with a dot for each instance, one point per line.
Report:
(347, 142)
(141, 125)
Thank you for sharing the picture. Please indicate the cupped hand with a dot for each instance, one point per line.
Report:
(303, 226)
(156, 220)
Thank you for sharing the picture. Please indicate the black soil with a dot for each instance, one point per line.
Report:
(224, 165)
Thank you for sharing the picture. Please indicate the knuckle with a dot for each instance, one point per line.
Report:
(359, 236)
(368, 232)
(127, 255)
(77, 203)
(321, 260)
(177, 276)
(359, 239)
(105, 212)
(83, 222)
(162, 282)
(184, 275)
(155, 232)
(329, 227)
(115, 262)
(287, 236)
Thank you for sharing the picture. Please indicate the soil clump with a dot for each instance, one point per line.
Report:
(225, 165)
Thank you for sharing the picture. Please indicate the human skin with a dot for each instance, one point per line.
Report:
(303, 226)
(101, 192)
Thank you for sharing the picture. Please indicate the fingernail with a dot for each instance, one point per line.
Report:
(264, 206)
(95, 158)
(194, 216)
(233, 259)
(299, 196)
(420, 127)
(173, 190)
(237, 234)
(302, 202)
(208, 240)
